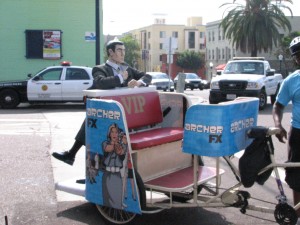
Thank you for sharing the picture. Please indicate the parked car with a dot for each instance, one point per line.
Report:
(63, 83)
(161, 81)
(192, 81)
(206, 84)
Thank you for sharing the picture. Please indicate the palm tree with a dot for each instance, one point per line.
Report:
(253, 27)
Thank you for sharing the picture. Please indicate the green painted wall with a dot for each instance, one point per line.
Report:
(72, 17)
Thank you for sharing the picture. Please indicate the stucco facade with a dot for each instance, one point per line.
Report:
(72, 17)
(152, 41)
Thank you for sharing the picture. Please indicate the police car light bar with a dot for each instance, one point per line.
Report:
(66, 63)
(248, 58)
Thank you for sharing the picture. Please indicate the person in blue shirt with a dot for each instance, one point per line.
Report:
(290, 91)
(114, 73)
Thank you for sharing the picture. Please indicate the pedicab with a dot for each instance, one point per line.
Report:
(140, 142)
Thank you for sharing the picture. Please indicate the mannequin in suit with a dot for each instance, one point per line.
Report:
(114, 73)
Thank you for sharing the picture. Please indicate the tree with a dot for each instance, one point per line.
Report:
(190, 60)
(253, 27)
(132, 50)
(285, 43)
(284, 47)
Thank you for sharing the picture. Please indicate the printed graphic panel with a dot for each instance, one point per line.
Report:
(110, 179)
(219, 130)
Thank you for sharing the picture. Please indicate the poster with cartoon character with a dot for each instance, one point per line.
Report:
(109, 171)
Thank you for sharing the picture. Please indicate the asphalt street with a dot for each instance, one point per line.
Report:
(28, 173)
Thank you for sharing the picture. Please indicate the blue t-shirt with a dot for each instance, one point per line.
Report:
(290, 91)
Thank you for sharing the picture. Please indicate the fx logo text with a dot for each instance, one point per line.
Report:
(92, 123)
(214, 138)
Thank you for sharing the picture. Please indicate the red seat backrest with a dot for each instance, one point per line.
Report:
(141, 109)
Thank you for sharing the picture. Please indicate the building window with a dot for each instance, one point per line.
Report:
(201, 34)
(202, 46)
(191, 39)
(43, 44)
(209, 38)
(144, 40)
(220, 35)
(223, 53)
(213, 36)
(229, 53)
(162, 34)
(209, 55)
(161, 46)
(149, 35)
(160, 58)
(149, 46)
(175, 34)
(213, 54)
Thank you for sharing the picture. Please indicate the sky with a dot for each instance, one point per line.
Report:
(120, 16)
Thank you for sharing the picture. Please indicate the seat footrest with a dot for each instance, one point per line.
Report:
(71, 186)
(182, 179)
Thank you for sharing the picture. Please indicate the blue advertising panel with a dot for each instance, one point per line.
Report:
(110, 179)
(219, 130)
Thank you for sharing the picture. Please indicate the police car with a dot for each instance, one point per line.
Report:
(64, 83)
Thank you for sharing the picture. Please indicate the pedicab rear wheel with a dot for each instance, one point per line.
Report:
(119, 216)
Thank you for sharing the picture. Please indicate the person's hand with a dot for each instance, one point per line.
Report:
(118, 149)
(134, 83)
(282, 135)
(124, 74)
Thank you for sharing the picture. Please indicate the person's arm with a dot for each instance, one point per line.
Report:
(277, 112)
(142, 78)
(104, 78)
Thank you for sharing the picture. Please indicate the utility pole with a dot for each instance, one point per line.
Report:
(170, 60)
(169, 45)
(98, 31)
(97, 23)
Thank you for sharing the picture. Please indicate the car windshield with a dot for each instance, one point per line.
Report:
(191, 76)
(160, 76)
(245, 68)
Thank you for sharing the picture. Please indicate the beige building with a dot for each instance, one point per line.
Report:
(155, 38)
(219, 49)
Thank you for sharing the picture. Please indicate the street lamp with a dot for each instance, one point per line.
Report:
(211, 67)
(280, 57)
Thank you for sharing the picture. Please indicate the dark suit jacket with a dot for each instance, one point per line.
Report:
(104, 77)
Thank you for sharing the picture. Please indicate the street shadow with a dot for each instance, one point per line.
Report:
(88, 214)
(46, 107)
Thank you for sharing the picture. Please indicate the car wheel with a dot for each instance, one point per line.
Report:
(201, 87)
(262, 99)
(9, 99)
(212, 101)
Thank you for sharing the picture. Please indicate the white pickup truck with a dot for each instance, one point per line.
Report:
(246, 76)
